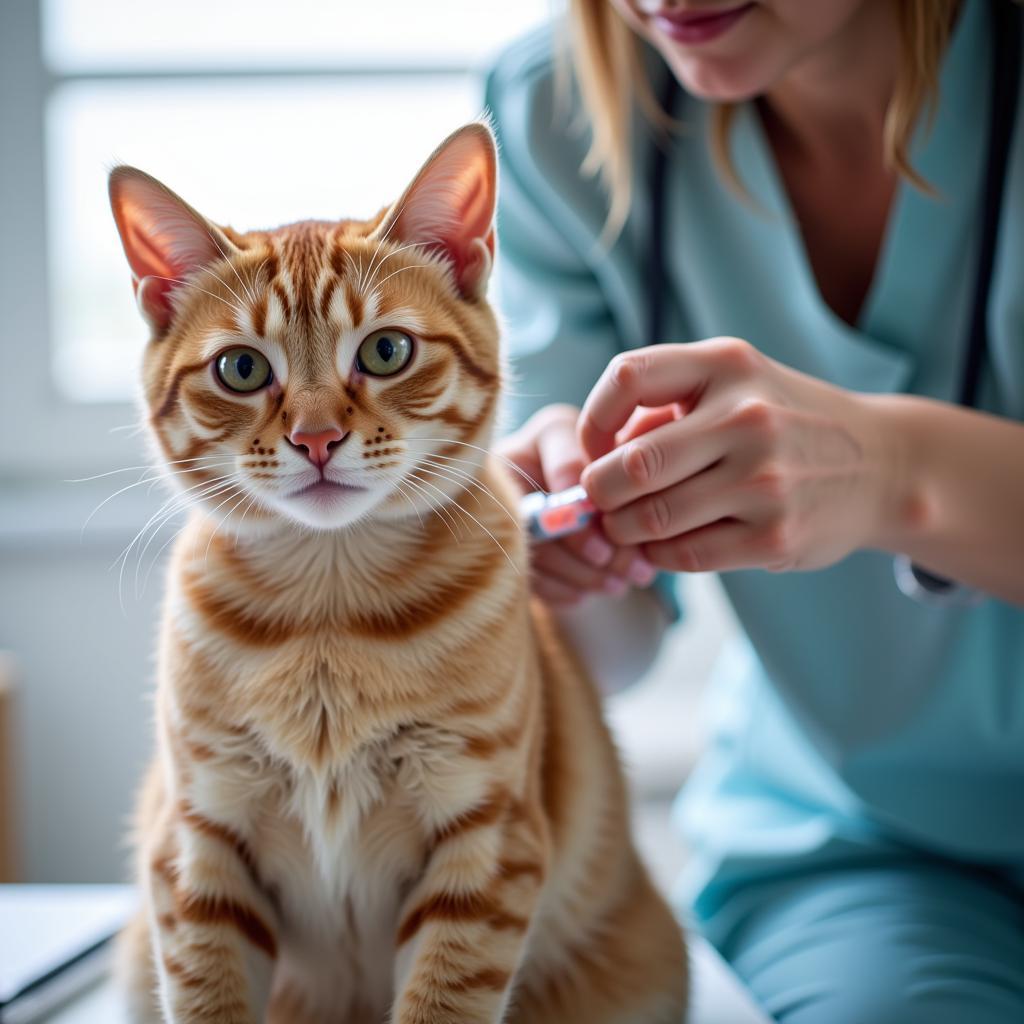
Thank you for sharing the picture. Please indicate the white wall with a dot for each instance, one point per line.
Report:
(82, 720)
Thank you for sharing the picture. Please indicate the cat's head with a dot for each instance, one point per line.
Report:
(322, 372)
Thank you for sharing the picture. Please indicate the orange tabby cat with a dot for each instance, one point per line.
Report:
(383, 789)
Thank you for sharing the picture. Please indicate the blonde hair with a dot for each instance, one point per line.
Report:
(612, 82)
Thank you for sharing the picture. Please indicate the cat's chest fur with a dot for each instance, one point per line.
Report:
(337, 756)
(334, 786)
(339, 847)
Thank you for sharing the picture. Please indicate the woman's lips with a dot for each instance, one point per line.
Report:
(699, 26)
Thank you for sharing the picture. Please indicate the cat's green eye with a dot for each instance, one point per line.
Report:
(384, 353)
(243, 369)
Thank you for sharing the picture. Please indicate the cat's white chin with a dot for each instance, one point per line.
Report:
(326, 506)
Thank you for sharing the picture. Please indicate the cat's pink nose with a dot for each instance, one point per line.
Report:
(318, 444)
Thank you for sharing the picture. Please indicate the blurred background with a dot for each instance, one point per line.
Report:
(257, 113)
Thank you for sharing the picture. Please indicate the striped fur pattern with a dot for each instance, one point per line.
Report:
(383, 790)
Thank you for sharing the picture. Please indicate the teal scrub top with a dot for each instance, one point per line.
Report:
(850, 719)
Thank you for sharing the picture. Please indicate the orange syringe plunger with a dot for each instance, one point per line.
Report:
(550, 516)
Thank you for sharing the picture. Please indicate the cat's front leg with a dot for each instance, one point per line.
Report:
(463, 928)
(214, 929)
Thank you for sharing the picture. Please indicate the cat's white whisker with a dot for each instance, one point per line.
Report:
(387, 256)
(383, 239)
(155, 561)
(466, 511)
(257, 278)
(412, 504)
(447, 501)
(111, 497)
(237, 310)
(157, 522)
(433, 506)
(486, 451)
(146, 479)
(216, 487)
(248, 508)
(439, 510)
(147, 466)
(234, 270)
(227, 515)
(242, 284)
(129, 429)
(174, 506)
(170, 507)
(467, 480)
(461, 476)
(401, 270)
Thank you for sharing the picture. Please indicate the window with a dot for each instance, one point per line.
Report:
(255, 112)
(254, 117)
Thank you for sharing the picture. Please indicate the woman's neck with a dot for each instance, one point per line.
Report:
(831, 106)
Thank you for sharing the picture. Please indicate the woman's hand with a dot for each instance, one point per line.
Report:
(752, 465)
(546, 448)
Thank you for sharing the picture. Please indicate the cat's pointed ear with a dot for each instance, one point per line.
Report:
(164, 240)
(449, 207)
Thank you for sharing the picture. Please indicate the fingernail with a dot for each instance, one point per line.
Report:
(641, 572)
(614, 586)
(597, 551)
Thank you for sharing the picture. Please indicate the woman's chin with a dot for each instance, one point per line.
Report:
(722, 80)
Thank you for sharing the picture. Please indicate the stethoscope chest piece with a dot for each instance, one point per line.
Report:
(928, 588)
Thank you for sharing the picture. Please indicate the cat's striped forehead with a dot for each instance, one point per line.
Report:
(306, 274)
(304, 287)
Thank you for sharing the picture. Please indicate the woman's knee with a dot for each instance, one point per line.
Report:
(881, 946)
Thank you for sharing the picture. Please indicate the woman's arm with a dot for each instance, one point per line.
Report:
(958, 483)
(560, 332)
(617, 638)
(765, 467)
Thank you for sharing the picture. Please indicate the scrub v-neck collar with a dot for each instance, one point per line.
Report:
(949, 152)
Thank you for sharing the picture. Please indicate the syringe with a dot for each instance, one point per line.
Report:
(550, 516)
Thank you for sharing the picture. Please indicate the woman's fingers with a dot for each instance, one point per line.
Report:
(644, 420)
(696, 502)
(558, 562)
(717, 547)
(590, 546)
(545, 444)
(657, 376)
(653, 461)
(588, 561)
(562, 572)
(554, 592)
(630, 565)
(523, 455)
(727, 545)
(560, 455)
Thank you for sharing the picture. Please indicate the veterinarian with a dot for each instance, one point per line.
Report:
(782, 338)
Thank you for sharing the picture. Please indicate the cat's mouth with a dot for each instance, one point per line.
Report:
(326, 489)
